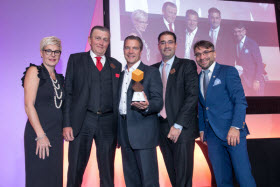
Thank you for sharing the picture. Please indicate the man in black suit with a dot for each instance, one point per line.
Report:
(178, 118)
(167, 22)
(138, 122)
(221, 38)
(192, 35)
(90, 110)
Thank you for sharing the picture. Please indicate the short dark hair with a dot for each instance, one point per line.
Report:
(101, 28)
(132, 37)
(191, 12)
(167, 33)
(239, 25)
(168, 4)
(203, 43)
(214, 10)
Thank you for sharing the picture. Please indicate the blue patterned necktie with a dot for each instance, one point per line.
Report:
(205, 82)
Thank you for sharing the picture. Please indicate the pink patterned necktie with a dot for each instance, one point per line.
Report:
(98, 63)
(164, 81)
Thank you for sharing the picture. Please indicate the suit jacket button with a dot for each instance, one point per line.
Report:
(207, 108)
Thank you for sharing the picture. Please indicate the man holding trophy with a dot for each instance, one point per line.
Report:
(140, 95)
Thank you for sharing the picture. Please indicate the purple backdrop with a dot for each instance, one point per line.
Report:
(23, 25)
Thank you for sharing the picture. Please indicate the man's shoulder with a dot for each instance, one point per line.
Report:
(156, 65)
(79, 54)
(114, 61)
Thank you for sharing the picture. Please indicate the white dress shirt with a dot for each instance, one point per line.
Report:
(189, 41)
(211, 69)
(167, 24)
(214, 33)
(103, 58)
(125, 84)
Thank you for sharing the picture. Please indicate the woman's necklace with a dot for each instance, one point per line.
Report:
(57, 97)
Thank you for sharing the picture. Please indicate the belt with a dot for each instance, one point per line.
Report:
(123, 117)
(99, 113)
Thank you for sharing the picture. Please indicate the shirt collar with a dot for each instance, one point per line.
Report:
(169, 62)
(211, 68)
(133, 68)
(93, 55)
(193, 32)
(243, 39)
(165, 21)
(217, 29)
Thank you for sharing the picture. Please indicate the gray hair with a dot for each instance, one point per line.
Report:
(138, 14)
(50, 40)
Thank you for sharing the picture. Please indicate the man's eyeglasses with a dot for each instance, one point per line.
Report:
(170, 42)
(49, 52)
(203, 53)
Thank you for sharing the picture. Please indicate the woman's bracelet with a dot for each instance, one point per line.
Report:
(38, 138)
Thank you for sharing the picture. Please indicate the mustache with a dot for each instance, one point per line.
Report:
(206, 59)
(167, 48)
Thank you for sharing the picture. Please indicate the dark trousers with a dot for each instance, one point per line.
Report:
(140, 166)
(225, 159)
(178, 158)
(97, 128)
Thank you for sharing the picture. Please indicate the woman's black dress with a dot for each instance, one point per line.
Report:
(47, 172)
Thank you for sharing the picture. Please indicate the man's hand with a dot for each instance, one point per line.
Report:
(256, 85)
(68, 134)
(142, 105)
(174, 134)
(233, 137)
(201, 137)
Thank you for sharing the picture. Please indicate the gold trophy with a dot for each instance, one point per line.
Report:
(138, 95)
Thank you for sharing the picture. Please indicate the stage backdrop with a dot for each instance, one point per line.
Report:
(23, 25)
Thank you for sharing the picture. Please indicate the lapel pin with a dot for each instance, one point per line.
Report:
(172, 71)
(214, 76)
(112, 66)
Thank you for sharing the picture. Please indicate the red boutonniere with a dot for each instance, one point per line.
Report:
(117, 75)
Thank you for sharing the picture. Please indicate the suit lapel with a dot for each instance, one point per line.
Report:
(114, 75)
(87, 68)
(214, 75)
(172, 76)
(200, 94)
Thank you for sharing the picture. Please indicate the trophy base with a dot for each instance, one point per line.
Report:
(138, 96)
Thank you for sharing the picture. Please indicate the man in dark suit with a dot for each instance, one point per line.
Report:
(138, 129)
(178, 118)
(221, 110)
(90, 110)
(221, 37)
(167, 22)
(192, 35)
(249, 62)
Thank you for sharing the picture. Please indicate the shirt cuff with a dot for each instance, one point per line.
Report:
(177, 126)
(235, 127)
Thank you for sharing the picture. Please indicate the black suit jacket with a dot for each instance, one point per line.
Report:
(142, 125)
(200, 35)
(182, 97)
(225, 48)
(77, 86)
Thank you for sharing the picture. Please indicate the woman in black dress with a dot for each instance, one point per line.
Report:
(43, 97)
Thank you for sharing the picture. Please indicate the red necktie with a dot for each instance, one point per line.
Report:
(170, 27)
(98, 63)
